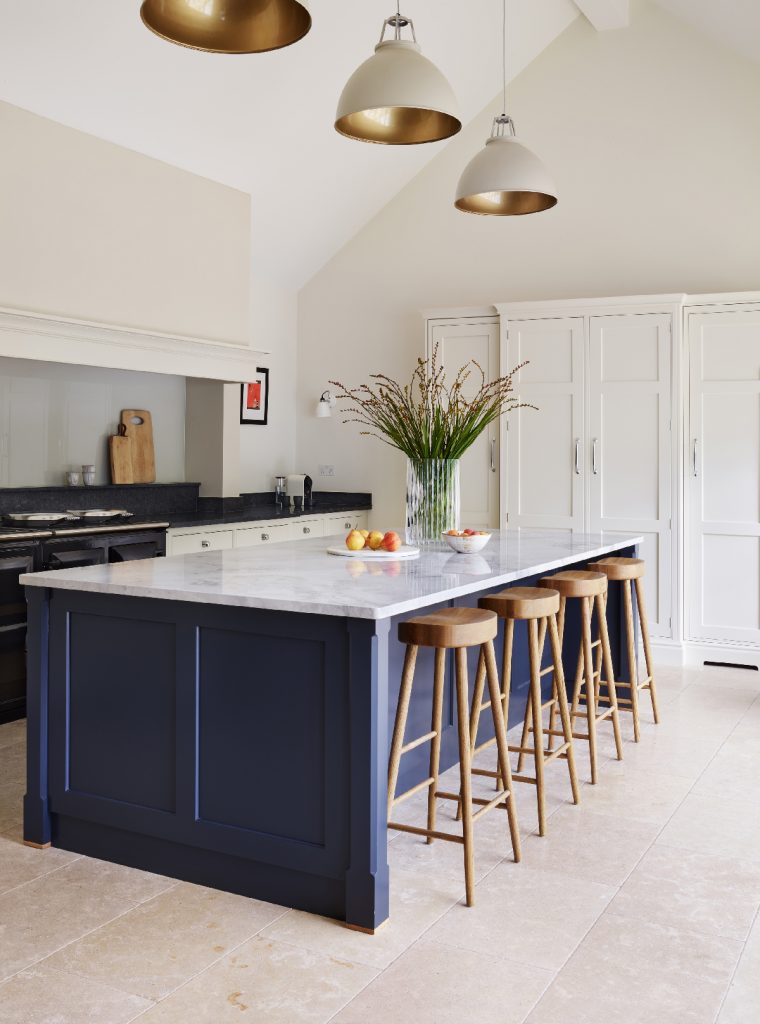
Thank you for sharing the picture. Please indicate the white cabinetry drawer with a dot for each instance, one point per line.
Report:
(265, 533)
(346, 521)
(189, 543)
(305, 528)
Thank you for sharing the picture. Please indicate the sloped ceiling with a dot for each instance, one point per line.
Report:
(261, 123)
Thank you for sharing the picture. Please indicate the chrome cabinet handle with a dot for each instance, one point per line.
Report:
(306, 529)
(205, 543)
(265, 536)
(493, 456)
(594, 444)
(347, 526)
(695, 469)
(578, 456)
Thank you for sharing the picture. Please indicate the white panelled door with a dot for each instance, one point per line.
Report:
(458, 342)
(724, 476)
(545, 457)
(630, 443)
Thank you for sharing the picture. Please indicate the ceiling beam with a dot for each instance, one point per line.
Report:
(606, 14)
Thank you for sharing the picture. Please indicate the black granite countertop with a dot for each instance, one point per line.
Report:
(258, 514)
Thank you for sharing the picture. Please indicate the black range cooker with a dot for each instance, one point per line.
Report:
(26, 549)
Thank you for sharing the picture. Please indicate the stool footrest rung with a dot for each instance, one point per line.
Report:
(419, 741)
(410, 792)
(489, 805)
(525, 778)
(419, 831)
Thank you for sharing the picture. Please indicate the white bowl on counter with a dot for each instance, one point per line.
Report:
(467, 545)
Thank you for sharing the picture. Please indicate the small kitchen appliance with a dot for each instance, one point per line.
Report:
(296, 483)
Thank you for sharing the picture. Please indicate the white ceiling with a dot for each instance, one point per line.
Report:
(263, 123)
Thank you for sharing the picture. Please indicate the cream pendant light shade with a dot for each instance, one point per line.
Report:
(228, 26)
(505, 179)
(397, 97)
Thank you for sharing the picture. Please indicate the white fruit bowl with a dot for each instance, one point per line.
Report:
(467, 545)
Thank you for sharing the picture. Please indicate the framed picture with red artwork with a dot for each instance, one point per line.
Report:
(254, 398)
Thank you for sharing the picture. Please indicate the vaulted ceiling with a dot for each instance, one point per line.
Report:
(263, 123)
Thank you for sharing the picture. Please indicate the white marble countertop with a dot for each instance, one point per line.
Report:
(299, 576)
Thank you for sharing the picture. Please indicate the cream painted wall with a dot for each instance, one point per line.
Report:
(268, 450)
(653, 137)
(55, 417)
(93, 231)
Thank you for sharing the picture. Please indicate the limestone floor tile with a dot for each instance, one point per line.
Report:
(727, 827)
(12, 733)
(416, 901)
(11, 804)
(629, 792)
(116, 879)
(670, 750)
(533, 917)
(645, 975)
(734, 769)
(40, 995)
(265, 982)
(742, 1003)
(19, 864)
(163, 943)
(435, 984)
(40, 916)
(599, 847)
(679, 888)
(13, 762)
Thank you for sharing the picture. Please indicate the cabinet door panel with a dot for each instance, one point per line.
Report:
(630, 443)
(723, 476)
(458, 343)
(545, 462)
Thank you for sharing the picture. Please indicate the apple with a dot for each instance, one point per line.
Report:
(364, 533)
(469, 533)
(375, 540)
(354, 541)
(391, 541)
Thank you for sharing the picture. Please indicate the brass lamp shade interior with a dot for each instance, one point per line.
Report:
(398, 126)
(228, 26)
(506, 204)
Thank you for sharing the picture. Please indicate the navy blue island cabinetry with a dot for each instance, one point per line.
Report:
(224, 717)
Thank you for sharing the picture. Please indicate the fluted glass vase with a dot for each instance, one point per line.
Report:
(432, 499)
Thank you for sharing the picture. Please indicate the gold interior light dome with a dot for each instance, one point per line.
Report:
(228, 26)
(397, 97)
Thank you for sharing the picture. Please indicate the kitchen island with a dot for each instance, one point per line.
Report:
(224, 717)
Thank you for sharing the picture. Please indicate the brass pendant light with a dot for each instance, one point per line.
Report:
(228, 26)
(505, 179)
(397, 97)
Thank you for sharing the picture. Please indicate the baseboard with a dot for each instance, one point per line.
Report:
(665, 652)
(694, 653)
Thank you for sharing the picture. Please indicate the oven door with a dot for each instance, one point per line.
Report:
(13, 563)
(73, 553)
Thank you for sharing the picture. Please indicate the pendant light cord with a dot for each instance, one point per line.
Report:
(504, 57)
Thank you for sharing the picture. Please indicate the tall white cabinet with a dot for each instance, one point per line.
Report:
(599, 454)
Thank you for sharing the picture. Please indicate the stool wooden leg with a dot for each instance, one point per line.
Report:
(500, 726)
(647, 652)
(399, 727)
(588, 665)
(525, 735)
(506, 683)
(477, 700)
(538, 732)
(435, 726)
(564, 714)
(607, 660)
(633, 672)
(465, 769)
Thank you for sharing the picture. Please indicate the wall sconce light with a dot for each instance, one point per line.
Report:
(325, 405)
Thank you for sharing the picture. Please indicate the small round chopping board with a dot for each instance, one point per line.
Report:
(405, 551)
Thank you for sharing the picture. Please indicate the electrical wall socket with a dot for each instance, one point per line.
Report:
(327, 470)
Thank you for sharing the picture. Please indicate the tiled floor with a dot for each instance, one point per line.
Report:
(640, 905)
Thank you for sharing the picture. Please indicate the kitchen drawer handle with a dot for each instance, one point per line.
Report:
(493, 456)
(347, 526)
(694, 464)
(578, 456)
(205, 543)
(594, 445)
(265, 536)
(306, 529)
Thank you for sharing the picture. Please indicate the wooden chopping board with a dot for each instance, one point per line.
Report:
(140, 434)
(120, 448)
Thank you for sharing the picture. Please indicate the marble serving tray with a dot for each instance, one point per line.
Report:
(405, 551)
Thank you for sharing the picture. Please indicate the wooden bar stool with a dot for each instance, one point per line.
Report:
(537, 607)
(630, 572)
(457, 629)
(590, 589)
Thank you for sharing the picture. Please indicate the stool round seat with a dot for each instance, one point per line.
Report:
(522, 603)
(450, 628)
(620, 568)
(576, 583)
